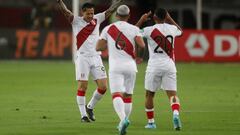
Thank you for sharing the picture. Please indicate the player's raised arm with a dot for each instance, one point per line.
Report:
(112, 8)
(171, 21)
(66, 12)
(143, 19)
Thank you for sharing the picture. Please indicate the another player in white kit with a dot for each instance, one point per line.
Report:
(120, 38)
(86, 31)
(161, 69)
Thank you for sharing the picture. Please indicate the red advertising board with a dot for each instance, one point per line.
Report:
(208, 46)
(193, 46)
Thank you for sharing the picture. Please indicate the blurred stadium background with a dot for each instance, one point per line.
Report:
(35, 29)
(37, 86)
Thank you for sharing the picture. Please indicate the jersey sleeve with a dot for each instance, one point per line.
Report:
(100, 17)
(176, 31)
(75, 20)
(138, 32)
(144, 32)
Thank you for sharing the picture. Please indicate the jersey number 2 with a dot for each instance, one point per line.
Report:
(163, 42)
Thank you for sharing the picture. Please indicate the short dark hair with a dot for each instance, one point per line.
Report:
(161, 13)
(87, 5)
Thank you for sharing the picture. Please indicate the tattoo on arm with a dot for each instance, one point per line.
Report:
(112, 8)
(66, 12)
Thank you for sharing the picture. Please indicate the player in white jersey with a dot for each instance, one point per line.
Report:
(120, 39)
(86, 31)
(161, 69)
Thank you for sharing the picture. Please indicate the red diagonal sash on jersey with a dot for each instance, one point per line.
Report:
(114, 32)
(85, 32)
(163, 42)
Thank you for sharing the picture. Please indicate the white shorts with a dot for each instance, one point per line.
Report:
(89, 64)
(122, 81)
(161, 80)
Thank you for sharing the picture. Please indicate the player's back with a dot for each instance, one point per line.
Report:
(160, 39)
(121, 45)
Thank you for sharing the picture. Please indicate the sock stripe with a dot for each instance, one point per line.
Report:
(149, 110)
(127, 100)
(80, 93)
(117, 95)
(101, 91)
(175, 107)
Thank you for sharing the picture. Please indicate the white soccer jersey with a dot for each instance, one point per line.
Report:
(121, 45)
(160, 39)
(87, 34)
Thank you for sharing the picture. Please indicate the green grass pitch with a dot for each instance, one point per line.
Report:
(39, 98)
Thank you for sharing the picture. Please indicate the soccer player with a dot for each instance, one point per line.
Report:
(120, 38)
(161, 69)
(86, 31)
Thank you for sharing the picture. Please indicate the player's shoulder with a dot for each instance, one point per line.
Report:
(107, 27)
(133, 26)
(101, 14)
(170, 26)
(148, 28)
(77, 21)
(77, 18)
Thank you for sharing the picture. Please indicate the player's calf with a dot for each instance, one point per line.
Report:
(175, 105)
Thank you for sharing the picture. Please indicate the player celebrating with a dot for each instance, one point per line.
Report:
(120, 38)
(86, 31)
(161, 70)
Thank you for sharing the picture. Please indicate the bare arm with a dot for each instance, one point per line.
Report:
(112, 8)
(139, 49)
(143, 19)
(66, 12)
(171, 21)
(139, 41)
(101, 45)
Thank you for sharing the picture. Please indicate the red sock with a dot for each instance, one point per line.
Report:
(127, 100)
(80, 92)
(101, 91)
(150, 115)
(175, 107)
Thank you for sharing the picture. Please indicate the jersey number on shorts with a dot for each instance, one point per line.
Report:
(120, 43)
(163, 41)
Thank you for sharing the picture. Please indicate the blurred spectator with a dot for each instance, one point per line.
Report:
(238, 25)
(41, 15)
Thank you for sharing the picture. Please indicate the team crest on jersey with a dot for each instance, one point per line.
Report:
(93, 22)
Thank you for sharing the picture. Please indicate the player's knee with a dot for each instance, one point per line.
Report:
(83, 87)
(102, 90)
(149, 94)
(102, 87)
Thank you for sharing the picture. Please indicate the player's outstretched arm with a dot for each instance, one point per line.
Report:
(113, 7)
(143, 19)
(171, 21)
(66, 12)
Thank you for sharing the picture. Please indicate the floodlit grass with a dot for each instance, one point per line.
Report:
(38, 98)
